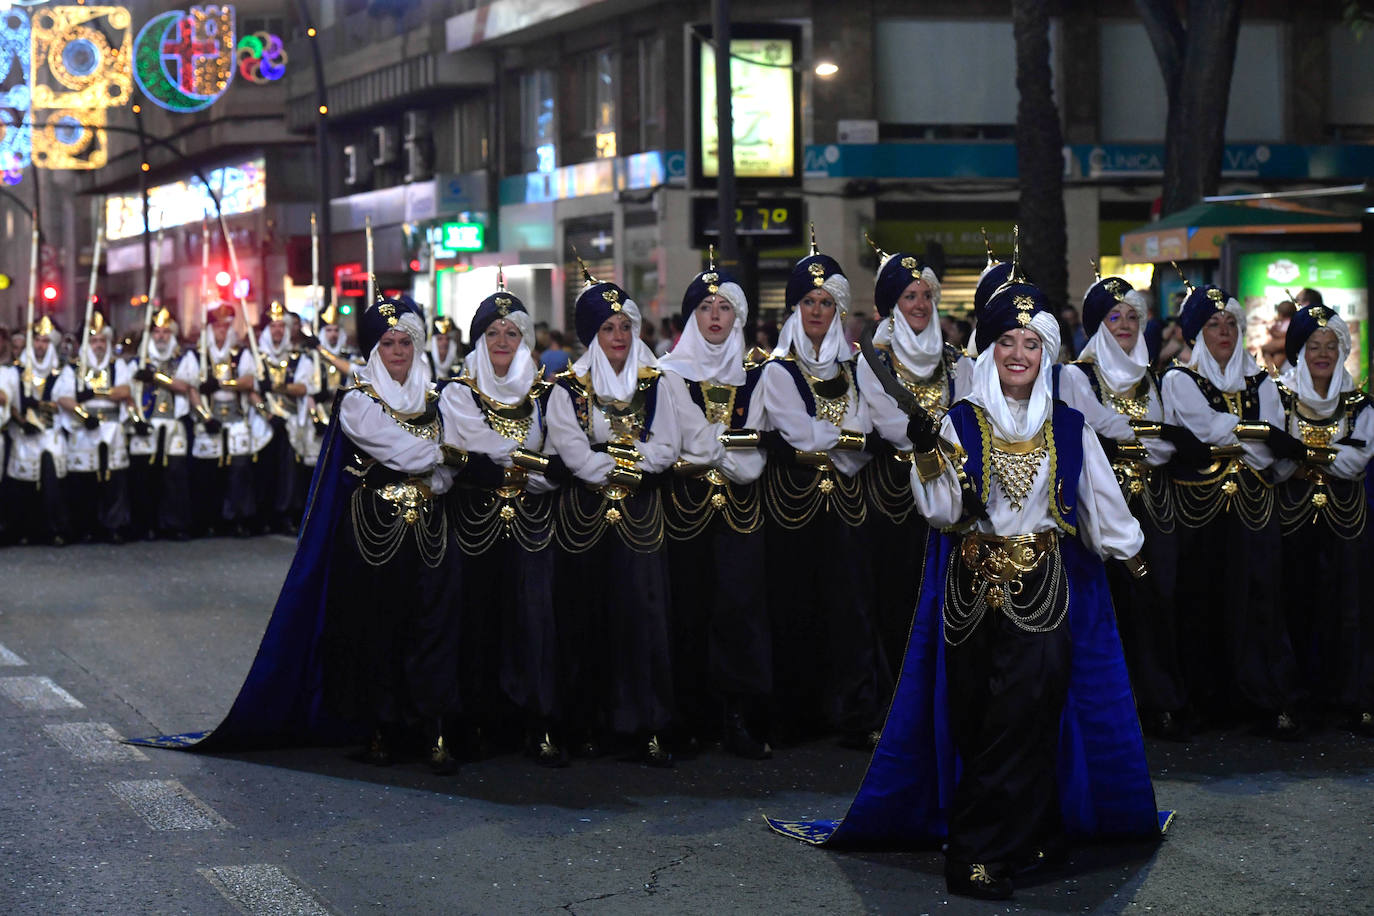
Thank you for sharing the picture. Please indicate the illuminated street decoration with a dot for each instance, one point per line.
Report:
(242, 188)
(16, 144)
(84, 51)
(262, 58)
(184, 59)
(79, 68)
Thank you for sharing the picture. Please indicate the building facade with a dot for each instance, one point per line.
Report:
(471, 134)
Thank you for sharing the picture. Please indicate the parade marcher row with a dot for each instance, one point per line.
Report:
(166, 441)
(642, 553)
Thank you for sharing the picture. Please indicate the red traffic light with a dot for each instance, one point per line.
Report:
(49, 293)
(415, 265)
(222, 278)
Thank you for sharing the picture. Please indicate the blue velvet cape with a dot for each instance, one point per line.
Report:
(281, 702)
(1104, 782)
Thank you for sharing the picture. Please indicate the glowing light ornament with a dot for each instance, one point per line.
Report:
(16, 143)
(184, 59)
(80, 68)
(262, 58)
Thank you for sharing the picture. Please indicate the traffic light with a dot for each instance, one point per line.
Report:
(223, 279)
(49, 293)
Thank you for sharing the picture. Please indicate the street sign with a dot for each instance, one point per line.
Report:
(775, 221)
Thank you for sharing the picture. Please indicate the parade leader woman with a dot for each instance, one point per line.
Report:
(1013, 729)
(363, 639)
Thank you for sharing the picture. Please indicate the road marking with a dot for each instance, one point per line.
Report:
(264, 889)
(9, 658)
(167, 805)
(97, 742)
(38, 693)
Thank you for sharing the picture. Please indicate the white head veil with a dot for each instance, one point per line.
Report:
(1230, 377)
(514, 386)
(1013, 420)
(606, 382)
(696, 359)
(408, 397)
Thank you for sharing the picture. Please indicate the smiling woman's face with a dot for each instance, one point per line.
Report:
(1017, 355)
(917, 304)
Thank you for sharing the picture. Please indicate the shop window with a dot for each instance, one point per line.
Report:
(538, 128)
(976, 63)
(598, 89)
(652, 95)
(1350, 88)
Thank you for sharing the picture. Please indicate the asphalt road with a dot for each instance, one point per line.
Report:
(100, 642)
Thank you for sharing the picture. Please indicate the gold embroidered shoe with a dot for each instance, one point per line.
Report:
(549, 753)
(379, 751)
(440, 760)
(656, 754)
(977, 880)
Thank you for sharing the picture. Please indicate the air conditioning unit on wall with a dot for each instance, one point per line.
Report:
(415, 125)
(357, 167)
(385, 145)
(419, 160)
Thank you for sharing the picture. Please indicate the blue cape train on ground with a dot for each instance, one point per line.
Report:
(1104, 782)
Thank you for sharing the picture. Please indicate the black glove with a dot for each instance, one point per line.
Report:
(600, 447)
(213, 426)
(1285, 446)
(557, 471)
(84, 395)
(481, 471)
(1189, 450)
(90, 421)
(264, 386)
(1109, 448)
(142, 427)
(310, 342)
(145, 375)
(778, 448)
(30, 428)
(877, 446)
(923, 432)
(210, 385)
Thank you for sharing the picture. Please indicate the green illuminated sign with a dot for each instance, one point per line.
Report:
(448, 239)
(1265, 278)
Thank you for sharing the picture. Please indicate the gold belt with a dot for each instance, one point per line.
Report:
(227, 411)
(410, 497)
(1006, 559)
